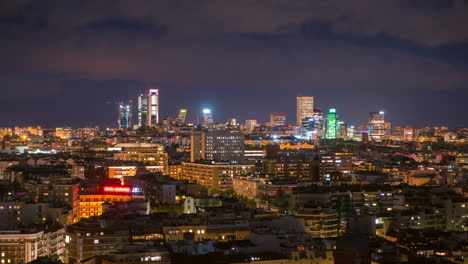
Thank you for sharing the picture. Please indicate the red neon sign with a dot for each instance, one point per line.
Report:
(122, 189)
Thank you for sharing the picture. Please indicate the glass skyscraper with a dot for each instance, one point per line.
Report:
(331, 124)
(125, 116)
(148, 108)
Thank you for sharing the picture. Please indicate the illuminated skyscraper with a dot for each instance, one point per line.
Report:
(376, 125)
(125, 116)
(331, 124)
(277, 119)
(207, 116)
(305, 108)
(142, 110)
(148, 108)
(319, 125)
(153, 106)
(182, 115)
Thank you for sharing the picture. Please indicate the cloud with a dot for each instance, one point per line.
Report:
(238, 46)
(429, 23)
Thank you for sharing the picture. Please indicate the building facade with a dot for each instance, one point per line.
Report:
(125, 116)
(277, 119)
(214, 175)
(217, 146)
(305, 108)
(377, 125)
(148, 108)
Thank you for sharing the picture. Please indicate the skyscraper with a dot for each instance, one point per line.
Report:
(142, 110)
(148, 108)
(153, 106)
(305, 108)
(331, 124)
(125, 116)
(318, 122)
(377, 125)
(207, 116)
(182, 115)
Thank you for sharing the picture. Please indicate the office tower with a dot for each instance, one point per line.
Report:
(182, 115)
(376, 125)
(142, 110)
(318, 126)
(153, 106)
(148, 108)
(306, 130)
(331, 124)
(217, 146)
(125, 116)
(250, 125)
(277, 119)
(305, 108)
(207, 116)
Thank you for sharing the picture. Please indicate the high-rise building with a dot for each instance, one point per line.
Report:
(376, 125)
(319, 125)
(148, 108)
(305, 108)
(250, 125)
(277, 119)
(342, 129)
(142, 110)
(182, 115)
(307, 129)
(125, 116)
(207, 116)
(217, 146)
(331, 124)
(153, 106)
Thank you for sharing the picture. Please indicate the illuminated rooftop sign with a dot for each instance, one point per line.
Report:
(117, 189)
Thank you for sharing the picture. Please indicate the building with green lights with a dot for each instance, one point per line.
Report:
(331, 124)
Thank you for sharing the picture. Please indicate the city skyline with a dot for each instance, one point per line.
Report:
(233, 131)
(355, 60)
(191, 114)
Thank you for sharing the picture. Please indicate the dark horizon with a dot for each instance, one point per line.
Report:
(245, 60)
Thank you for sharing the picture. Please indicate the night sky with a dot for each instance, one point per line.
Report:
(62, 60)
